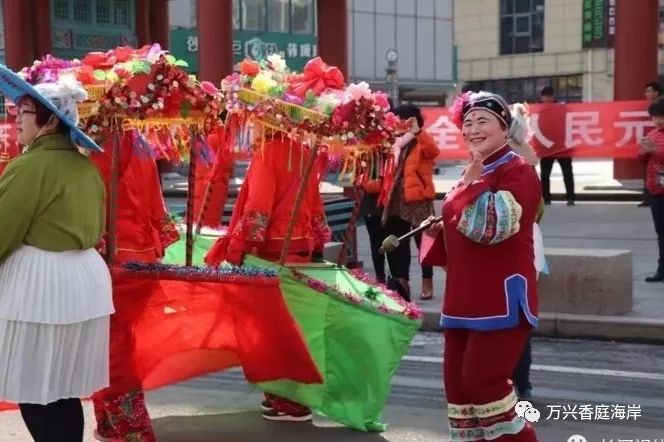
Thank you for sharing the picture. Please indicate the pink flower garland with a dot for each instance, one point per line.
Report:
(410, 309)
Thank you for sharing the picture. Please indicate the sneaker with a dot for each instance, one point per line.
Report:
(571, 203)
(267, 405)
(274, 415)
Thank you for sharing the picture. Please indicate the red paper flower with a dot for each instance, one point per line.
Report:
(316, 76)
(99, 60)
(343, 113)
(123, 53)
(85, 74)
(249, 67)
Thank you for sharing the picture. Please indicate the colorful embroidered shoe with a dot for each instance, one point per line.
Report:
(274, 415)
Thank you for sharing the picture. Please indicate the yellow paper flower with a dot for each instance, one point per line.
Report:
(263, 82)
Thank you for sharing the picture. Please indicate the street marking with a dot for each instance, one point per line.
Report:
(561, 369)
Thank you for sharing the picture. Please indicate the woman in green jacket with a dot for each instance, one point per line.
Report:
(55, 289)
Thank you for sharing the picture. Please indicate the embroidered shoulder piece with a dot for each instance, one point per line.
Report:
(492, 218)
(168, 232)
(253, 226)
(321, 231)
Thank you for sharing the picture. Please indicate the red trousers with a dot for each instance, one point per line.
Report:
(121, 414)
(477, 369)
(123, 417)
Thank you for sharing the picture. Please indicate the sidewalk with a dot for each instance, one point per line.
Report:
(593, 181)
(587, 225)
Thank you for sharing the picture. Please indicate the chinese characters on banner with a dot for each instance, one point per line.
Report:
(598, 23)
(588, 130)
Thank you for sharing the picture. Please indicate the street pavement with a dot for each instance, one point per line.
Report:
(603, 225)
(589, 224)
(588, 375)
(577, 378)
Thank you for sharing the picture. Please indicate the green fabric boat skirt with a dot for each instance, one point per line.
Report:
(356, 332)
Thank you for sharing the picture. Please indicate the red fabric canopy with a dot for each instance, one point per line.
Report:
(169, 327)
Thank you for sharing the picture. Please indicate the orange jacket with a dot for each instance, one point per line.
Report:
(264, 206)
(418, 169)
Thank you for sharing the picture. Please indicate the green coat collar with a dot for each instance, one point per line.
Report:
(51, 142)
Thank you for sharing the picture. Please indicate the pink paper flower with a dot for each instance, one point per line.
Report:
(209, 88)
(381, 100)
(355, 91)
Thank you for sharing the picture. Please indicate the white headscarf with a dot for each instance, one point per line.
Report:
(64, 95)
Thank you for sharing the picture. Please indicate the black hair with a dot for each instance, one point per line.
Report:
(468, 88)
(656, 108)
(547, 91)
(654, 86)
(406, 111)
(43, 115)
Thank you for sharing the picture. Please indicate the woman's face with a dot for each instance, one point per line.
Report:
(483, 132)
(26, 123)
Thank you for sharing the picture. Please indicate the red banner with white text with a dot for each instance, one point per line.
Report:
(585, 130)
(8, 144)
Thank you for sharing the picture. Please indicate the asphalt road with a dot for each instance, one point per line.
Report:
(589, 375)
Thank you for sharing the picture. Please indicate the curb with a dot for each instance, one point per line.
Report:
(595, 327)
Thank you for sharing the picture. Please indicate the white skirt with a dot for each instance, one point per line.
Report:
(54, 325)
(54, 287)
(42, 363)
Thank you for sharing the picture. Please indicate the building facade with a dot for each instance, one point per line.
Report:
(260, 28)
(517, 47)
(421, 35)
(419, 32)
(82, 26)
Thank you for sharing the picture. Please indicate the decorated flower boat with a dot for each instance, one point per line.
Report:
(355, 329)
(317, 334)
(172, 322)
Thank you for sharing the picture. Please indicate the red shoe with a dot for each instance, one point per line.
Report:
(103, 438)
(274, 415)
(267, 405)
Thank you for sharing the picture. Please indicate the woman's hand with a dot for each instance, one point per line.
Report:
(645, 145)
(414, 127)
(474, 169)
(434, 229)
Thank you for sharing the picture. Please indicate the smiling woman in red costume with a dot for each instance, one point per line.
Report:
(487, 228)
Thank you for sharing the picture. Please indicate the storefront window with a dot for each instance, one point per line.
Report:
(521, 26)
(103, 11)
(94, 12)
(236, 14)
(122, 12)
(81, 11)
(253, 15)
(278, 15)
(568, 88)
(61, 9)
(302, 16)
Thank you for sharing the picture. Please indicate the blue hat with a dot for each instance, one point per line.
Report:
(15, 87)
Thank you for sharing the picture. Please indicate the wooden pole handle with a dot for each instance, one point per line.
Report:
(298, 202)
